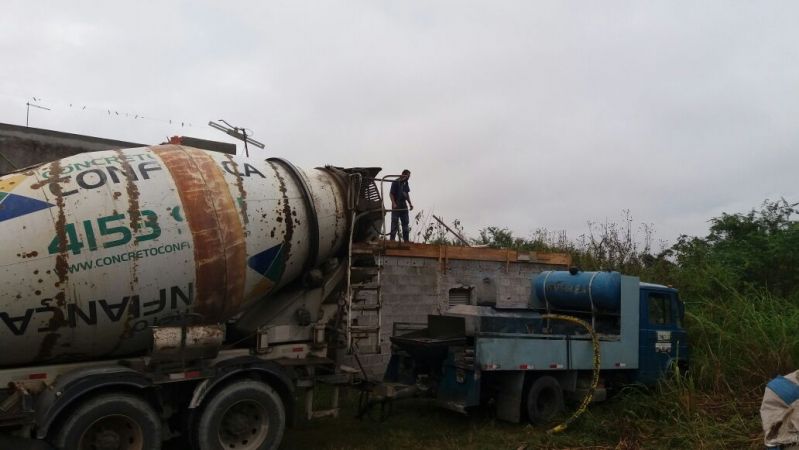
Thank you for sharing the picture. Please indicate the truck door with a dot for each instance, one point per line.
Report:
(659, 333)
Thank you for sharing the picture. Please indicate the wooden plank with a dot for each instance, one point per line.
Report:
(447, 252)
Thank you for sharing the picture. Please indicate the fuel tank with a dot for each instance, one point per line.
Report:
(580, 290)
(98, 247)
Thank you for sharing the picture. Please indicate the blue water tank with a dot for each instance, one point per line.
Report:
(563, 290)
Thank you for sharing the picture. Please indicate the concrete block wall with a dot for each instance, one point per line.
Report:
(414, 287)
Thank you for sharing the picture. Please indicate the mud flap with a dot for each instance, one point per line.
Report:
(509, 397)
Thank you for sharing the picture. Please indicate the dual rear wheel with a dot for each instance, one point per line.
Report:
(240, 415)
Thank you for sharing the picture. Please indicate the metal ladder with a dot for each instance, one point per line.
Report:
(364, 296)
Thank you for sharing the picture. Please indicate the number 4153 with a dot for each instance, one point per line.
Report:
(115, 234)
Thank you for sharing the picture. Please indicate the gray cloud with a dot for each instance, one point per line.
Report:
(517, 114)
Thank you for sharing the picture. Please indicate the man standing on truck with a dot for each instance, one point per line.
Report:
(400, 205)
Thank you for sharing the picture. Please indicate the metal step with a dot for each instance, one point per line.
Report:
(365, 329)
(365, 286)
(368, 350)
(366, 249)
(365, 307)
(366, 270)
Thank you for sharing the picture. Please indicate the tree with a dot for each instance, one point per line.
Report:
(759, 249)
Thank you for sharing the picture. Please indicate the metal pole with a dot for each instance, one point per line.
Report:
(246, 150)
(450, 230)
(27, 113)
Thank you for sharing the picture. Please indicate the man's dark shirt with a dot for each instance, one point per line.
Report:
(400, 196)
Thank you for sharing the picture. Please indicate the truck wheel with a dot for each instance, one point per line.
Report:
(544, 400)
(243, 415)
(111, 422)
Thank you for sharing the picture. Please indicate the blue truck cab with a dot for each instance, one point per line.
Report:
(526, 361)
(663, 342)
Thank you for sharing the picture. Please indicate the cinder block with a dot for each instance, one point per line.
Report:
(407, 289)
(390, 291)
(427, 299)
(451, 263)
(388, 278)
(432, 263)
(427, 309)
(425, 291)
(425, 278)
(410, 262)
(391, 297)
(393, 269)
(469, 264)
(489, 265)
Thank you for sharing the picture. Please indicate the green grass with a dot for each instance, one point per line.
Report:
(673, 416)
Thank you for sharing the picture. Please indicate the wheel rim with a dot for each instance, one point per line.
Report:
(113, 432)
(244, 426)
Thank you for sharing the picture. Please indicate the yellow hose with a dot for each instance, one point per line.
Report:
(595, 379)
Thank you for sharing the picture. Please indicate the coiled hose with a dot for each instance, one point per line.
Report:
(594, 380)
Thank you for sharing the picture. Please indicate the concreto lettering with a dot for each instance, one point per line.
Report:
(87, 313)
(161, 250)
(76, 167)
(95, 178)
(128, 256)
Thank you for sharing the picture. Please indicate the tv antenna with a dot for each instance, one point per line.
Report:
(28, 112)
(238, 133)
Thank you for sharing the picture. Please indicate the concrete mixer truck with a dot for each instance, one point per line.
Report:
(160, 291)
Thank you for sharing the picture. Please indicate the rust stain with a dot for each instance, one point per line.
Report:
(46, 348)
(132, 190)
(289, 224)
(40, 184)
(32, 254)
(219, 248)
(61, 264)
(59, 299)
(58, 320)
(133, 208)
(240, 187)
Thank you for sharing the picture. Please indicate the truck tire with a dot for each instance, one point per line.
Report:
(110, 422)
(242, 415)
(544, 400)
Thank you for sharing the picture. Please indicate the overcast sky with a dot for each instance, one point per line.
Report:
(515, 113)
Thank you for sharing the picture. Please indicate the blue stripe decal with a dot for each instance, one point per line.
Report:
(784, 389)
(16, 205)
